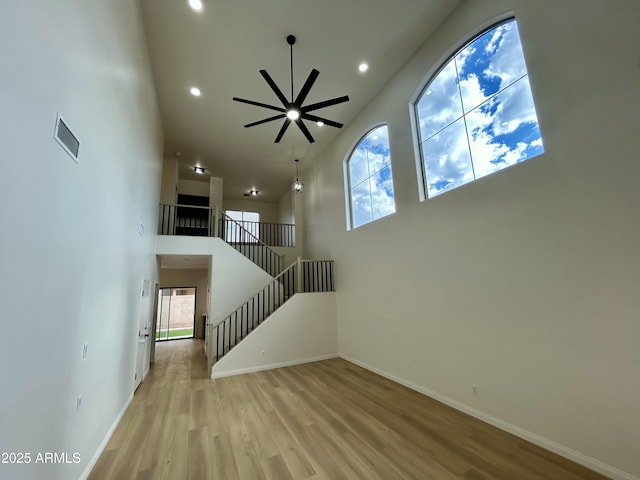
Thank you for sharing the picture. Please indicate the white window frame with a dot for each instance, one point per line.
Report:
(431, 74)
(347, 176)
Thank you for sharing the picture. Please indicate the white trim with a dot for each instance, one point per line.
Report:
(431, 74)
(92, 463)
(545, 443)
(271, 366)
(347, 177)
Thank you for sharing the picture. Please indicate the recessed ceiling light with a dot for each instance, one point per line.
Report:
(196, 5)
(293, 114)
(320, 123)
(363, 67)
(195, 91)
(198, 170)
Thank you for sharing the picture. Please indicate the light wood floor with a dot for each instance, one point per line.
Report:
(327, 420)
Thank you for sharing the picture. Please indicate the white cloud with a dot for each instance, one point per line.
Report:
(382, 197)
(440, 105)
(537, 142)
(507, 60)
(472, 94)
(500, 127)
(514, 108)
(447, 160)
(358, 166)
(373, 196)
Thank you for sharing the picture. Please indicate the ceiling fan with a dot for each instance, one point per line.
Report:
(294, 110)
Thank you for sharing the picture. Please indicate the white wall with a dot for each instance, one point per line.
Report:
(234, 278)
(285, 208)
(303, 330)
(193, 187)
(268, 210)
(169, 185)
(525, 282)
(216, 186)
(71, 258)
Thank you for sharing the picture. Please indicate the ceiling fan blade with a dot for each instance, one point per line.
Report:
(270, 119)
(304, 91)
(258, 104)
(274, 87)
(313, 118)
(326, 103)
(285, 125)
(303, 128)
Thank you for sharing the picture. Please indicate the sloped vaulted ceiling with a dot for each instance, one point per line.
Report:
(221, 49)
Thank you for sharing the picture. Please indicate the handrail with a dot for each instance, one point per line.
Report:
(212, 222)
(227, 218)
(301, 276)
(272, 264)
(281, 274)
(266, 233)
(273, 234)
(187, 206)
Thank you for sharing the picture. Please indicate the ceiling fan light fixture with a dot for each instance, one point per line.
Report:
(253, 192)
(198, 170)
(297, 186)
(294, 109)
(320, 123)
(196, 5)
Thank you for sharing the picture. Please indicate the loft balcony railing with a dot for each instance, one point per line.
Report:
(210, 222)
(273, 234)
(303, 276)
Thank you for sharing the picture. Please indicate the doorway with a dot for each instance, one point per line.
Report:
(176, 313)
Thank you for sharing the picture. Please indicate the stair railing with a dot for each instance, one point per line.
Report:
(187, 220)
(212, 222)
(248, 244)
(302, 276)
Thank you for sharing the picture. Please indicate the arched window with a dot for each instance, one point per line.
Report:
(476, 115)
(369, 179)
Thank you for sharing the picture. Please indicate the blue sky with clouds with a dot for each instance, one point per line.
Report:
(370, 178)
(477, 115)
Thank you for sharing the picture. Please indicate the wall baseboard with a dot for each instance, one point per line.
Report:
(545, 443)
(271, 366)
(101, 447)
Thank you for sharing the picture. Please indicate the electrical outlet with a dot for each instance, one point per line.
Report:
(475, 389)
(262, 353)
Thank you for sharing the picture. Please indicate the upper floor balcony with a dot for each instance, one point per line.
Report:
(195, 221)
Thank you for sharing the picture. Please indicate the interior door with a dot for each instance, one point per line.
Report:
(143, 339)
(154, 326)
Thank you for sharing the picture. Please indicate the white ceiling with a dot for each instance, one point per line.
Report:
(185, 261)
(221, 49)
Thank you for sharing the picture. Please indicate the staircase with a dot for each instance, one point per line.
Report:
(198, 221)
(302, 276)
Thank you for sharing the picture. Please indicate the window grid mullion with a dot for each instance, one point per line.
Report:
(464, 119)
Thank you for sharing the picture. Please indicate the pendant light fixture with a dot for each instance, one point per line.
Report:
(297, 185)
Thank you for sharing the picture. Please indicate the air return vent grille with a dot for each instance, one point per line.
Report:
(67, 139)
